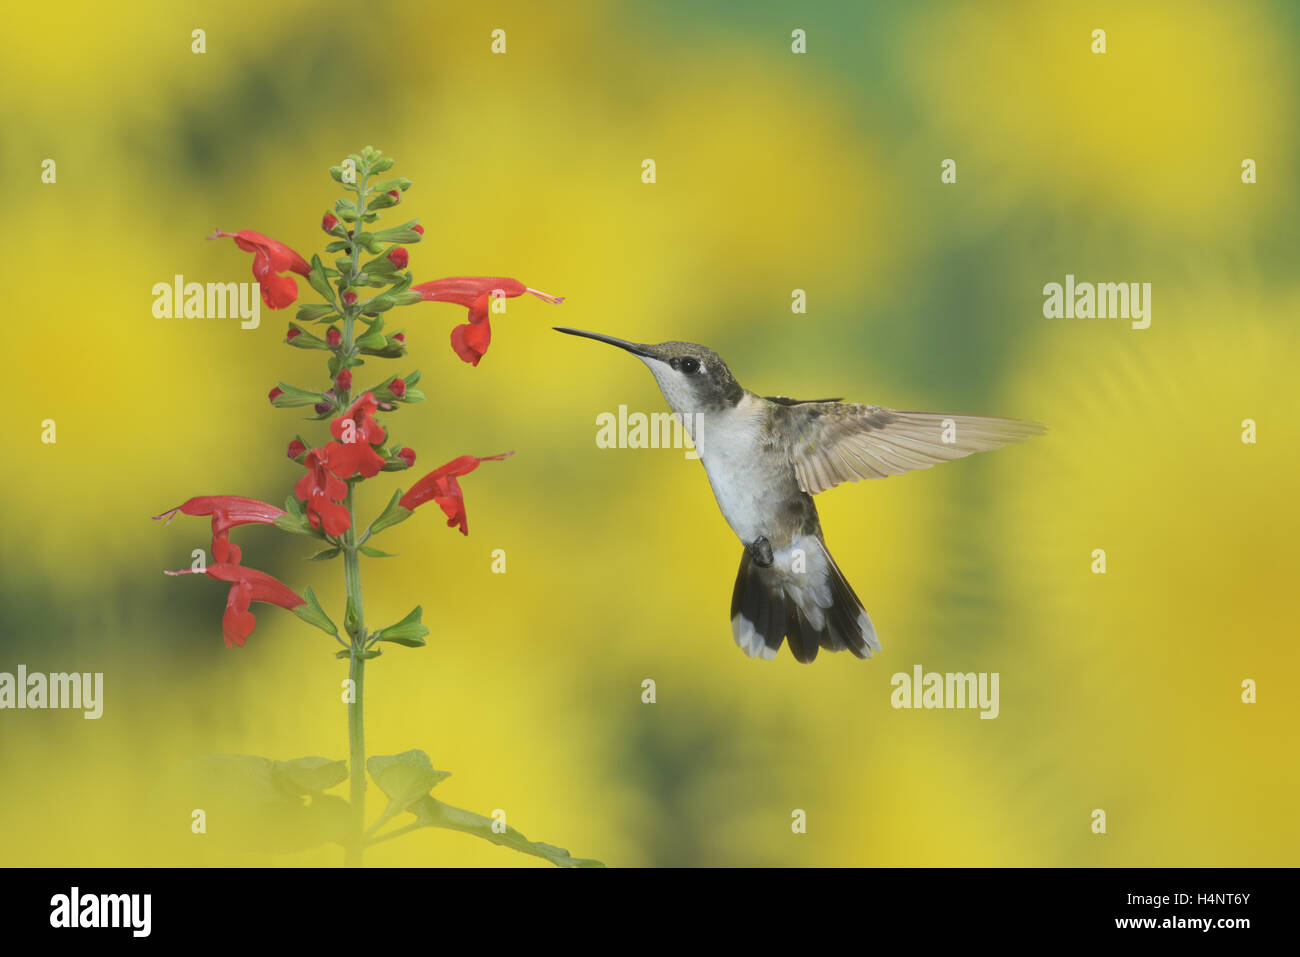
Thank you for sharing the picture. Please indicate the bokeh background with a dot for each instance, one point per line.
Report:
(775, 172)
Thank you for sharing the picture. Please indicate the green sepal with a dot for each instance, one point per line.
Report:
(291, 397)
(318, 280)
(312, 613)
(392, 514)
(381, 303)
(382, 165)
(400, 234)
(313, 312)
(305, 340)
(335, 247)
(398, 182)
(410, 631)
(351, 621)
(326, 554)
(347, 209)
(372, 552)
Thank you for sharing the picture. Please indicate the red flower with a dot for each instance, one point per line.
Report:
(247, 586)
(270, 259)
(470, 340)
(347, 459)
(333, 338)
(399, 257)
(407, 456)
(397, 387)
(329, 222)
(441, 486)
(227, 511)
(323, 493)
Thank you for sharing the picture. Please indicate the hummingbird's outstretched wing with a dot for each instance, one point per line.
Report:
(834, 442)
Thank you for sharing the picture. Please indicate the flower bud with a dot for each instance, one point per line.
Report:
(400, 337)
(323, 407)
(344, 380)
(333, 338)
(296, 448)
(274, 394)
(329, 222)
(397, 387)
(349, 298)
(399, 257)
(407, 456)
(292, 334)
(418, 228)
(397, 196)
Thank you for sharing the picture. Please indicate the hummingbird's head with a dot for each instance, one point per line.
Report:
(693, 378)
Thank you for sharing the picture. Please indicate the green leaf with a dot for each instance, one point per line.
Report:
(326, 554)
(410, 631)
(309, 775)
(405, 778)
(335, 247)
(253, 803)
(370, 552)
(392, 514)
(430, 812)
(312, 613)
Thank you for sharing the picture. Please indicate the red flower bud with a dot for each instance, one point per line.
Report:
(407, 456)
(333, 338)
(329, 222)
(296, 448)
(419, 229)
(292, 334)
(344, 380)
(400, 337)
(275, 394)
(397, 196)
(323, 407)
(397, 387)
(399, 257)
(349, 298)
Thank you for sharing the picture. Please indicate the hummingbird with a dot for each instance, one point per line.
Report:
(767, 456)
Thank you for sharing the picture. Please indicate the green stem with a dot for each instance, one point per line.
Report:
(352, 581)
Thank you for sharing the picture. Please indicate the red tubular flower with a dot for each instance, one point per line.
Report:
(347, 459)
(470, 340)
(323, 493)
(247, 586)
(227, 511)
(441, 486)
(270, 259)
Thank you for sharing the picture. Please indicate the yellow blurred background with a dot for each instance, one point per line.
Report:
(775, 172)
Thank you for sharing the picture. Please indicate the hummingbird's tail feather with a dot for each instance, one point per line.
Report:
(802, 596)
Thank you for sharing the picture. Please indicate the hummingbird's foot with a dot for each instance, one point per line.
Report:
(760, 550)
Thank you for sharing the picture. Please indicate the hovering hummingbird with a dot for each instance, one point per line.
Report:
(767, 456)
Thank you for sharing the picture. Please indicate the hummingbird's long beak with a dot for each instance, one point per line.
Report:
(632, 347)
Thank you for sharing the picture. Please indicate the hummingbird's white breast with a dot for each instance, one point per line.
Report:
(729, 443)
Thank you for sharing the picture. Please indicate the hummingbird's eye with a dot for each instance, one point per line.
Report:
(690, 365)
